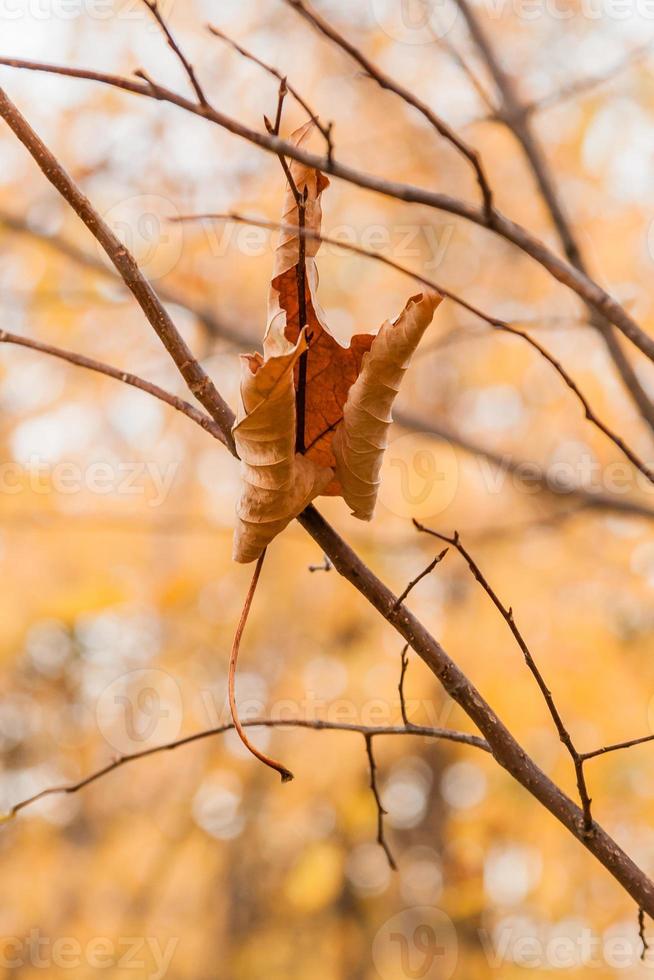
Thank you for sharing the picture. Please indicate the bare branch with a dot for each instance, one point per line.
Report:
(507, 615)
(641, 933)
(153, 7)
(381, 812)
(426, 571)
(199, 383)
(404, 664)
(505, 749)
(386, 82)
(326, 131)
(564, 272)
(80, 360)
(317, 725)
(617, 746)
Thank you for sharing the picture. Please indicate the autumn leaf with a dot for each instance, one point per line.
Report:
(276, 482)
(313, 414)
(331, 368)
(360, 440)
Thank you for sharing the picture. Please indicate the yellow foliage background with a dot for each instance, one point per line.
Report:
(109, 593)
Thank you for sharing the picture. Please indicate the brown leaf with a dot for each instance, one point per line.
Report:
(276, 482)
(331, 368)
(345, 419)
(359, 442)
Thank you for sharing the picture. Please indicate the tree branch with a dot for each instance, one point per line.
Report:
(389, 84)
(559, 269)
(199, 383)
(326, 131)
(316, 725)
(217, 327)
(516, 116)
(381, 812)
(153, 7)
(507, 615)
(505, 749)
(80, 360)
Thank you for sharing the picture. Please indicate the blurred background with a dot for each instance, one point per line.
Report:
(119, 598)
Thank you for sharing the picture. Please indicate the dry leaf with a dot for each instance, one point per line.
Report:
(345, 419)
(331, 368)
(359, 442)
(276, 482)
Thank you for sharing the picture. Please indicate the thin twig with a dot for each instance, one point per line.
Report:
(326, 131)
(217, 327)
(404, 664)
(616, 747)
(430, 567)
(326, 566)
(153, 7)
(318, 725)
(79, 360)
(471, 75)
(507, 615)
(381, 812)
(641, 933)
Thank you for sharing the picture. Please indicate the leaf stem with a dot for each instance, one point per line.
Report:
(282, 770)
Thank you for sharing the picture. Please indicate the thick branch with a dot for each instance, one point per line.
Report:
(504, 747)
